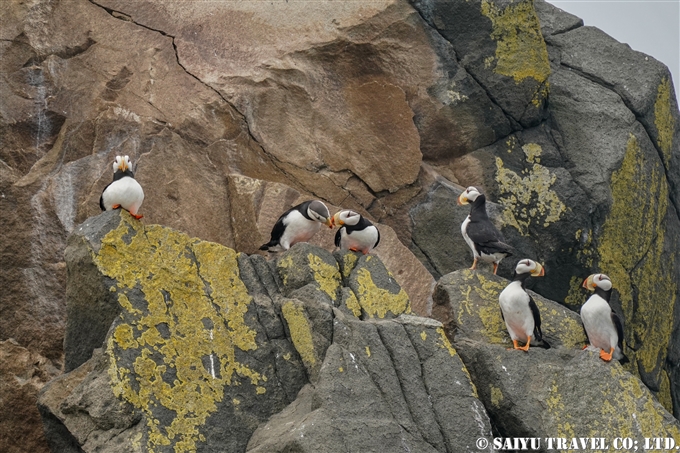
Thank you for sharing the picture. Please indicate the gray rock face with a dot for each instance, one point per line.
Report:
(564, 391)
(589, 185)
(203, 345)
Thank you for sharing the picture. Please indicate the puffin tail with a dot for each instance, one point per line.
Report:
(624, 359)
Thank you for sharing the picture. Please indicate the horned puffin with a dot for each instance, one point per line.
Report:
(518, 309)
(356, 234)
(298, 224)
(124, 192)
(603, 327)
(481, 235)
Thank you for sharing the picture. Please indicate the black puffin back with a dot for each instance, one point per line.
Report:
(280, 228)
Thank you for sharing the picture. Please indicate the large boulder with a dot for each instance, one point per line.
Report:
(178, 344)
(562, 392)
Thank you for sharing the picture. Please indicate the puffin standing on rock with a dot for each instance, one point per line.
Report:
(298, 224)
(481, 235)
(124, 192)
(603, 327)
(357, 233)
(518, 309)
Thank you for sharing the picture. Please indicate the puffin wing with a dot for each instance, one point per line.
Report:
(619, 331)
(277, 231)
(487, 237)
(338, 237)
(537, 321)
(101, 197)
(377, 241)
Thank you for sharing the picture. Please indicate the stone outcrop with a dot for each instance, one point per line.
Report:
(233, 112)
(204, 344)
(564, 392)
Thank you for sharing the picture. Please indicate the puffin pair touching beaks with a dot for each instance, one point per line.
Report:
(303, 221)
(603, 327)
(480, 234)
(124, 192)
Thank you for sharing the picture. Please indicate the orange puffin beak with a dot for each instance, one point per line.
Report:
(329, 223)
(335, 220)
(539, 271)
(462, 199)
(123, 166)
(589, 284)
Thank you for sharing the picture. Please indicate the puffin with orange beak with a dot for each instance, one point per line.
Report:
(124, 192)
(298, 224)
(601, 323)
(518, 309)
(356, 233)
(480, 234)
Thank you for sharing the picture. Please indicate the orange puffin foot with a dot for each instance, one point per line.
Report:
(585, 347)
(115, 206)
(495, 268)
(606, 356)
(136, 216)
(474, 265)
(525, 348)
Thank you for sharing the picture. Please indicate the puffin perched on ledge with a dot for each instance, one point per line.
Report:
(603, 327)
(124, 192)
(357, 233)
(518, 309)
(481, 235)
(298, 224)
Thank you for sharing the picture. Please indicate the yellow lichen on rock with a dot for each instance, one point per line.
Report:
(526, 199)
(663, 119)
(326, 275)
(521, 52)
(445, 343)
(489, 313)
(178, 329)
(300, 331)
(640, 201)
(496, 395)
(352, 304)
(377, 302)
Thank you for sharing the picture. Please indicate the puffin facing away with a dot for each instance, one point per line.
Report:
(357, 233)
(124, 192)
(298, 224)
(481, 235)
(518, 308)
(603, 327)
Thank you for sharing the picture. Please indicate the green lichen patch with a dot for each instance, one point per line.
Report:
(663, 119)
(300, 331)
(641, 271)
(521, 52)
(528, 199)
(183, 318)
(376, 290)
(304, 264)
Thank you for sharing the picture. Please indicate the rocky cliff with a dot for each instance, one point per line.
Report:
(234, 111)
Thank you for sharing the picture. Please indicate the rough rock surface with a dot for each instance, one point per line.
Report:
(564, 391)
(206, 344)
(569, 186)
(372, 106)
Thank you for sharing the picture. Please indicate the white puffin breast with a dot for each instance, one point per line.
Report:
(596, 315)
(519, 319)
(126, 192)
(298, 229)
(463, 230)
(363, 240)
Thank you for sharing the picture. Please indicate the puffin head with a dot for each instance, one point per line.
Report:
(122, 163)
(597, 281)
(468, 196)
(346, 218)
(319, 212)
(529, 266)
